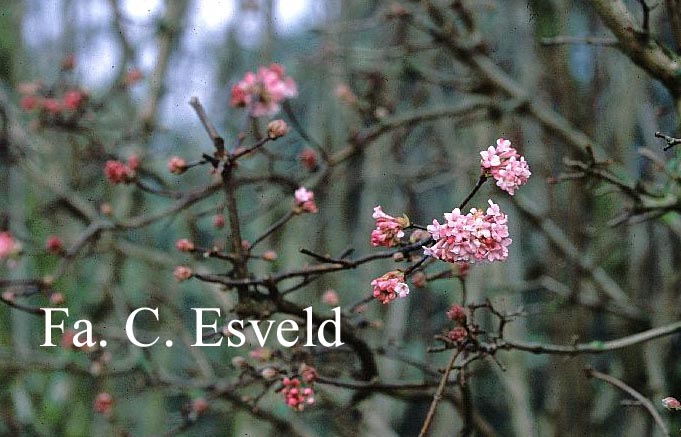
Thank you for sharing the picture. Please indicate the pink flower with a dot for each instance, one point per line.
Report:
(184, 245)
(177, 165)
(388, 230)
(457, 313)
(505, 165)
(390, 286)
(475, 236)
(119, 173)
(330, 297)
(54, 245)
(671, 403)
(262, 92)
(305, 200)
(182, 273)
(296, 395)
(8, 245)
(73, 99)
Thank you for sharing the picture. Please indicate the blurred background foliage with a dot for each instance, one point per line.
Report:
(565, 246)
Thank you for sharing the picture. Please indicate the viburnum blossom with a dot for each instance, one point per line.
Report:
(118, 172)
(263, 91)
(476, 236)
(388, 230)
(671, 403)
(505, 165)
(296, 395)
(305, 200)
(390, 286)
(8, 245)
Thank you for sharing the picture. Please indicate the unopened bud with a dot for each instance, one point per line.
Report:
(277, 129)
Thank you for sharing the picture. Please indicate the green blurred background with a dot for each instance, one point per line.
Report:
(565, 256)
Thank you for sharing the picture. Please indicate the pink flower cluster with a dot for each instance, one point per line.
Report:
(118, 172)
(296, 395)
(476, 236)
(305, 200)
(390, 286)
(262, 92)
(505, 165)
(8, 245)
(388, 230)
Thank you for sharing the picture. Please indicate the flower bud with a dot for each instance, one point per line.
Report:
(54, 245)
(671, 403)
(269, 255)
(308, 158)
(200, 406)
(277, 129)
(103, 403)
(184, 245)
(219, 221)
(269, 373)
(177, 165)
(330, 297)
(182, 273)
(56, 298)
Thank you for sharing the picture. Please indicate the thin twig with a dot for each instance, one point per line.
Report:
(438, 395)
(478, 185)
(671, 141)
(591, 373)
(278, 224)
(590, 40)
(218, 141)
